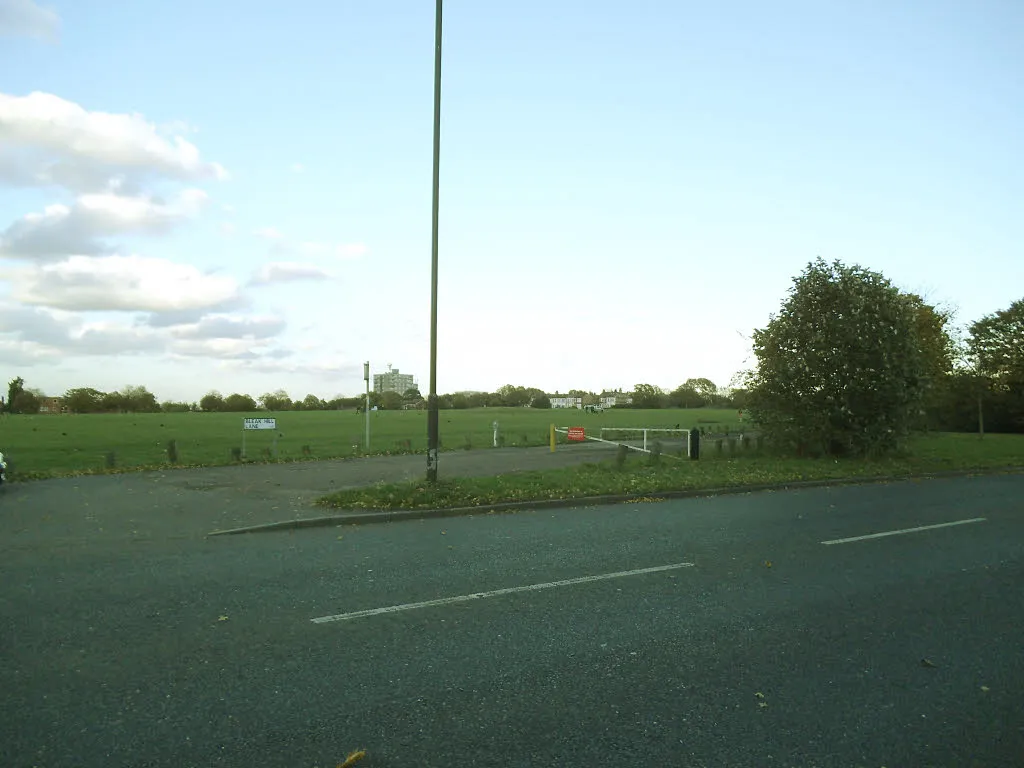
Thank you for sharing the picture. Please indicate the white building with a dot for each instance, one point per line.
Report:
(617, 397)
(393, 381)
(565, 401)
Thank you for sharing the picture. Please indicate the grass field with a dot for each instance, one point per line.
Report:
(42, 446)
(934, 453)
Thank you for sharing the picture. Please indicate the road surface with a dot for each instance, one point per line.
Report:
(749, 630)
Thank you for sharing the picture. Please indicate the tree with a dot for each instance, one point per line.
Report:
(839, 369)
(276, 401)
(996, 344)
(238, 403)
(83, 400)
(543, 401)
(14, 388)
(212, 401)
(138, 400)
(706, 389)
(312, 403)
(390, 401)
(996, 351)
(112, 402)
(648, 396)
(26, 402)
(513, 397)
(685, 396)
(170, 406)
(739, 397)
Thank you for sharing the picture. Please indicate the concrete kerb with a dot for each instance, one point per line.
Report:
(396, 516)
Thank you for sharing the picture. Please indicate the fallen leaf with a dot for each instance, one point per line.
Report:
(984, 689)
(222, 618)
(928, 663)
(758, 695)
(353, 758)
(767, 563)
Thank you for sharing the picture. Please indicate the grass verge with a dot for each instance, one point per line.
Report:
(928, 454)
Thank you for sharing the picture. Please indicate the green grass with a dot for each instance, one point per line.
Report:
(928, 454)
(45, 446)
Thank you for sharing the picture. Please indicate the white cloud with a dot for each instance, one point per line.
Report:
(112, 339)
(222, 326)
(124, 283)
(49, 332)
(48, 140)
(227, 228)
(26, 18)
(25, 353)
(350, 250)
(268, 233)
(280, 246)
(235, 349)
(296, 167)
(61, 230)
(288, 271)
(333, 250)
(324, 369)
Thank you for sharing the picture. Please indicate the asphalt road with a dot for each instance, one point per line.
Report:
(189, 503)
(759, 646)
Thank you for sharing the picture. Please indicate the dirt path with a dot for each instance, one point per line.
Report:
(188, 503)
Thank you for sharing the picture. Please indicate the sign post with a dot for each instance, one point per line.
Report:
(366, 376)
(248, 424)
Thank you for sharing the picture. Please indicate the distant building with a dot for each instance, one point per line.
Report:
(52, 405)
(609, 399)
(565, 401)
(393, 381)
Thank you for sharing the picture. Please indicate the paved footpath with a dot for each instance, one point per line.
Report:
(187, 503)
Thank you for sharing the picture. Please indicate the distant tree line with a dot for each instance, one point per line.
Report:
(694, 393)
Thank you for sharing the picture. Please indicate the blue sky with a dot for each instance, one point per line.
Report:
(236, 196)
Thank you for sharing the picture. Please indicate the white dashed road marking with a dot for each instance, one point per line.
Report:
(496, 593)
(904, 530)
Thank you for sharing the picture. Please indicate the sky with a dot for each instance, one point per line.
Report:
(236, 196)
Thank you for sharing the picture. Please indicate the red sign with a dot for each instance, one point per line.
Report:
(577, 434)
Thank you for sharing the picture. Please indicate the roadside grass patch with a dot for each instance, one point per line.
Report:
(638, 477)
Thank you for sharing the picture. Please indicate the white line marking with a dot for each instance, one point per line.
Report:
(904, 530)
(496, 593)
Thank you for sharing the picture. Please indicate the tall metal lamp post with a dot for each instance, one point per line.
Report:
(433, 442)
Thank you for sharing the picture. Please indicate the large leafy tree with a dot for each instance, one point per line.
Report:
(648, 396)
(238, 403)
(212, 401)
(276, 401)
(27, 401)
(839, 369)
(138, 399)
(996, 349)
(83, 400)
(14, 388)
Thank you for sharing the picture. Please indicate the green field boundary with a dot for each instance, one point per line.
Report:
(643, 477)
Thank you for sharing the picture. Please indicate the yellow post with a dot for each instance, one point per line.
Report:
(552, 438)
